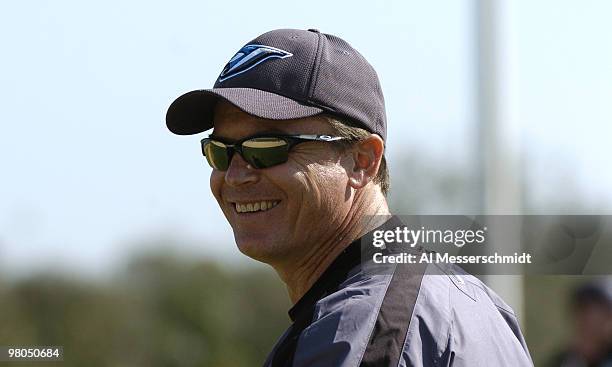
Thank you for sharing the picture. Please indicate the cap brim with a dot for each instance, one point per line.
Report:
(192, 112)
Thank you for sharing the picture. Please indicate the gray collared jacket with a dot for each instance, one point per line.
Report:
(416, 315)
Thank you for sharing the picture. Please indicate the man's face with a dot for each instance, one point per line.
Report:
(311, 189)
(594, 324)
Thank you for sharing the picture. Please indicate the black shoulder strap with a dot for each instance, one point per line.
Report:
(389, 333)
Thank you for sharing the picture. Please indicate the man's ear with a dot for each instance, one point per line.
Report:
(366, 155)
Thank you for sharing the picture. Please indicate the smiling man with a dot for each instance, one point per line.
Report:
(299, 171)
(323, 185)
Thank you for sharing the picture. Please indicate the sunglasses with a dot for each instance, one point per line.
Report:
(260, 151)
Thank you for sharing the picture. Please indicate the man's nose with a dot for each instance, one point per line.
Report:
(239, 172)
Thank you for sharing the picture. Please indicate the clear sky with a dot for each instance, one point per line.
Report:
(89, 171)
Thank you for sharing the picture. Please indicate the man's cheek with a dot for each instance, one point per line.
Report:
(216, 182)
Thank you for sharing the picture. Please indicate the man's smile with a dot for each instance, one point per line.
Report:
(254, 206)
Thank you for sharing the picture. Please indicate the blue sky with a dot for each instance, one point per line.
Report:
(89, 170)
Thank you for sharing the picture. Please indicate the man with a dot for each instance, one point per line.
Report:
(299, 172)
(591, 341)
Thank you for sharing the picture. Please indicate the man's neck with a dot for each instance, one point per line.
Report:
(363, 217)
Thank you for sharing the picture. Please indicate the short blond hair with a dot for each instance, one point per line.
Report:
(353, 134)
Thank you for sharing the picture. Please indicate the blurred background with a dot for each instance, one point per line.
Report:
(111, 243)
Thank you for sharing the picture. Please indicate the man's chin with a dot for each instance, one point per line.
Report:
(260, 249)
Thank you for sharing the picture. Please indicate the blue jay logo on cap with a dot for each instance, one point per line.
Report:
(248, 57)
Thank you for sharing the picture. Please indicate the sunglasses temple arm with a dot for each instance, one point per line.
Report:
(319, 137)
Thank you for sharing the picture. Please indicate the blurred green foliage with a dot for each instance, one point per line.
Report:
(162, 311)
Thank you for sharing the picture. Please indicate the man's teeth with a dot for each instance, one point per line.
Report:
(253, 207)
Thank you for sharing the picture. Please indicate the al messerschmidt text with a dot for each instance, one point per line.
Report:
(434, 257)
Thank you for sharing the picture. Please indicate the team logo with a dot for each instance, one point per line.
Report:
(250, 56)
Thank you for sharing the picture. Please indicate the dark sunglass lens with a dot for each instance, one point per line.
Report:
(265, 152)
(216, 154)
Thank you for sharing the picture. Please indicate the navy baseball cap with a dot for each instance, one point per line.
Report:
(287, 74)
